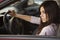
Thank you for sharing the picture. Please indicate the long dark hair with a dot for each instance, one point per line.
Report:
(52, 9)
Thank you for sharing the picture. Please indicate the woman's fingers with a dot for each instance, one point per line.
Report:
(12, 12)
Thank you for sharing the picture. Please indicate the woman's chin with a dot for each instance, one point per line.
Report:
(43, 21)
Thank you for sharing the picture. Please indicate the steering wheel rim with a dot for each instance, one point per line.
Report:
(4, 21)
(8, 24)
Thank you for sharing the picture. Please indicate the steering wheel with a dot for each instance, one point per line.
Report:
(12, 25)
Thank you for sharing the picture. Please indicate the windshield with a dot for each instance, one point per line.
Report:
(38, 1)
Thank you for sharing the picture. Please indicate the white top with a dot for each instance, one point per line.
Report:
(35, 20)
(49, 30)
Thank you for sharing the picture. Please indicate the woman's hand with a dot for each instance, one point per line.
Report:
(12, 13)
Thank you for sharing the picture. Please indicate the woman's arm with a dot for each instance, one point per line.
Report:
(32, 19)
(24, 17)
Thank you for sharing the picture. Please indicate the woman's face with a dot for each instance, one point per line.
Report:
(44, 16)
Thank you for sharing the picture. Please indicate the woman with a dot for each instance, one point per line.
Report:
(49, 18)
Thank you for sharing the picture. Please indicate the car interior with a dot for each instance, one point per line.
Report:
(24, 27)
(15, 26)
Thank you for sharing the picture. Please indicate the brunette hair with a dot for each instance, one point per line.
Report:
(52, 9)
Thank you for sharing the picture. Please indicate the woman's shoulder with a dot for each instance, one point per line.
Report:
(49, 30)
(50, 27)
